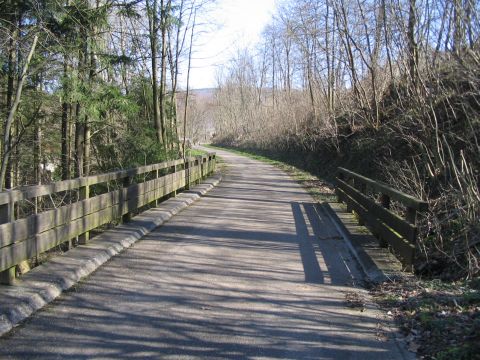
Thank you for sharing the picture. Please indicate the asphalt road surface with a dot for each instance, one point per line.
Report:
(251, 271)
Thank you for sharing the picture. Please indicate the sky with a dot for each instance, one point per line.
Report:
(230, 25)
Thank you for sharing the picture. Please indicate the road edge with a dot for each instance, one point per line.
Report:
(377, 263)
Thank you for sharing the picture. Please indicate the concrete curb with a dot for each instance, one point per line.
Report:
(44, 283)
(377, 263)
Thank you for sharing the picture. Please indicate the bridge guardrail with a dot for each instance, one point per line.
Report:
(25, 238)
(399, 232)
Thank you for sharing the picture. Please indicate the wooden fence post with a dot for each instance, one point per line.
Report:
(199, 163)
(195, 165)
(337, 193)
(127, 181)
(157, 199)
(84, 194)
(7, 277)
(411, 215)
(385, 202)
(175, 169)
(187, 174)
(360, 186)
(349, 180)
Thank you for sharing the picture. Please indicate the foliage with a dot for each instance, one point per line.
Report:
(87, 102)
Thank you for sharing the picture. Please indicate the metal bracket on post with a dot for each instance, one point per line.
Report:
(7, 277)
(84, 194)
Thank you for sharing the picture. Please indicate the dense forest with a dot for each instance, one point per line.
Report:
(90, 86)
(388, 88)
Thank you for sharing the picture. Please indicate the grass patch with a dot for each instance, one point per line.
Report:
(195, 152)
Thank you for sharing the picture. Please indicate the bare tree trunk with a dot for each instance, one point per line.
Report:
(79, 133)
(412, 43)
(262, 75)
(459, 30)
(12, 63)
(65, 129)
(329, 62)
(86, 147)
(153, 34)
(11, 114)
(347, 44)
(273, 75)
(374, 65)
(386, 35)
(86, 126)
(81, 119)
(164, 9)
(188, 85)
(469, 8)
(37, 151)
(174, 62)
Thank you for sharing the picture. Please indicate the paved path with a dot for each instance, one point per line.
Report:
(251, 271)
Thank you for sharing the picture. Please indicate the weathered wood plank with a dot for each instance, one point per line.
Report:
(25, 238)
(16, 253)
(402, 248)
(408, 231)
(53, 237)
(59, 186)
(24, 228)
(21, 229)
(16, 231)
(405, 199)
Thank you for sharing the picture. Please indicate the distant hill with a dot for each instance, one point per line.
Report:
(199, 95)
(208, 91)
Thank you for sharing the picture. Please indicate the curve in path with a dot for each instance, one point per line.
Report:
(251, 271)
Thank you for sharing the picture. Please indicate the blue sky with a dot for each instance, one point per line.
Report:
(230, 25)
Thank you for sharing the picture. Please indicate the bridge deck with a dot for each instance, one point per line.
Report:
(251, 271)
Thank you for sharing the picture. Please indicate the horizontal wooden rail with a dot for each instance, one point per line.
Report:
(398, 231)
(28, 192)
(23, 239)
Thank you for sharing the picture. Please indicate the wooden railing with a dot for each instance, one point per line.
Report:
(81, 210)
(371, 201)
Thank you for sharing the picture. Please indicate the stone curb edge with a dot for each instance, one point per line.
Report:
(371, 271)
(43, 284)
